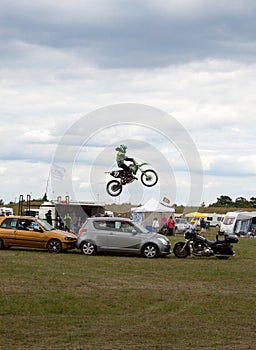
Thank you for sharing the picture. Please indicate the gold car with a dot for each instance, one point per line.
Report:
(23, 231)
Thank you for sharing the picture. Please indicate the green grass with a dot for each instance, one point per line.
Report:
(70, 301)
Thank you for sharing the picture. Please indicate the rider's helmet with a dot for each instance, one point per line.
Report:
(122, 148)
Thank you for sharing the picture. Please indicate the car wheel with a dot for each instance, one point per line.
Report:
(54, 246)
(1, 244)
(88, 248)
(150, 251)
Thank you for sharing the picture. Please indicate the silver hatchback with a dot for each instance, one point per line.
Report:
(122, 236)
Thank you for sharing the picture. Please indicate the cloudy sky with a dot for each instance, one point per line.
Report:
(74, 74)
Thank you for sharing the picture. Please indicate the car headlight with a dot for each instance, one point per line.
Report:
(68, 238)
(164, 241)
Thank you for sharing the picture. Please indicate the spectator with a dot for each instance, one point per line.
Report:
(202, 226)
(155, 225)
(67, 222)
(48, 217)
(170, 226)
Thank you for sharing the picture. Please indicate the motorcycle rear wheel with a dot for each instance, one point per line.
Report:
(149, 178)
(180, 251)
(114, 188)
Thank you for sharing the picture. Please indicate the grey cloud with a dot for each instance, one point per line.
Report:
(124, 37)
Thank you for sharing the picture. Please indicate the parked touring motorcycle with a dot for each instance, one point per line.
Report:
(148, 177)
(200, 246)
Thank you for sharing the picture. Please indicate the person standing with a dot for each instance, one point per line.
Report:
(170, 226)
(202, 226)
(67, 222)
(48, 217)
(155, 225)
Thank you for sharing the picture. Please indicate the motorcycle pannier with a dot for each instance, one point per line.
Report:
(232, 238)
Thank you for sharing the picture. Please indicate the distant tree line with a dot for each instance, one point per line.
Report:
(222, 202)
(239, 202)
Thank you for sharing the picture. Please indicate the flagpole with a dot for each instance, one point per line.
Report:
(47, 185)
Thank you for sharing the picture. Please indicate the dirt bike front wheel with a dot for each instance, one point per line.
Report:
(149, 178)
(114, 188)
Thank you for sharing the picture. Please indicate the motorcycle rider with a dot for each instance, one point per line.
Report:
(121, 158)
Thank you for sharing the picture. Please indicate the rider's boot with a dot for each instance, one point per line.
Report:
(131, 174)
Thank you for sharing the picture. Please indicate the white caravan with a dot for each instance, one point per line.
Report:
(239, 222)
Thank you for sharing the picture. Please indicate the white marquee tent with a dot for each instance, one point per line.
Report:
(146, 213)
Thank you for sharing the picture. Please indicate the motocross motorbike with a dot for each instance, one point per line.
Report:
(148, 177)
(200, 246)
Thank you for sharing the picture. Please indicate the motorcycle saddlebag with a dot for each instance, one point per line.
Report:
(232, 238)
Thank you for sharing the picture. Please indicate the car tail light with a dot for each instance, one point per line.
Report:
(81, 231)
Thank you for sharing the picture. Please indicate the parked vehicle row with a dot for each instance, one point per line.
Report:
(99, 234)
(106, 234)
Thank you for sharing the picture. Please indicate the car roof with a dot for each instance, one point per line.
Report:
(2, 218)
(18, 217)
(108, 218)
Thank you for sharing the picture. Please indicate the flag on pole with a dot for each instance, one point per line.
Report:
(166, 200)
(58, 172)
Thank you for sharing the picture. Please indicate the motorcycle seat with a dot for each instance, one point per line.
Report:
(211, 243)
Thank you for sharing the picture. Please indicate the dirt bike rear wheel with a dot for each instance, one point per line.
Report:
(149, 178)
(114, 188)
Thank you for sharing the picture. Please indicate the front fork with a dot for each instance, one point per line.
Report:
(186, 244)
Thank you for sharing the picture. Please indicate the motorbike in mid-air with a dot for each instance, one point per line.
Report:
(200, 246)
(148, 177)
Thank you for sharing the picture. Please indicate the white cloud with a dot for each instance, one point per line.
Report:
(2, 170)
(201, 95)
(23, 177)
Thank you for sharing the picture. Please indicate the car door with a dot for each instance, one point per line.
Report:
(124, 237)
(29, 234)
(7, 231)
(100, 234)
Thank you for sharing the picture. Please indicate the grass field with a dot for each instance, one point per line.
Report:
(71, 301)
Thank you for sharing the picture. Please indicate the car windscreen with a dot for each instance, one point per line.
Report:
(140, 228)
(45, 225)
(182, 221)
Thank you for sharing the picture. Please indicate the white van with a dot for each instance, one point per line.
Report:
(238, 222)
(31, 212)
(6, 211)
